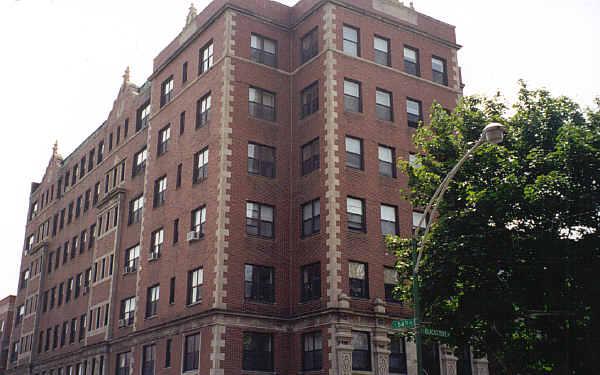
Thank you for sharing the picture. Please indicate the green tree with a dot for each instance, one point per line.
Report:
(512, 264)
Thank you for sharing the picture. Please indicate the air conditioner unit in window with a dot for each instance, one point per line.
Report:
(154, 255)
(194, 236)
(122, 323)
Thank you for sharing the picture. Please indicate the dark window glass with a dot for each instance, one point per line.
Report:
(397, 355)
(261, 103)
(259, 283)
(263, 50)
(139, 162)
(261, 160)
(359, 280)
(351, 40)
(184, 72)
(166, 91)
(258, 352)
(191, 352)
(198, 221)
(123, 361)
(381, 51)
(136, 208)
(195, 281)
(438, 68)
(142, 116)
(310, 156)
(411, 61)
(163, 140)
(352, 96)
(386, 156)
(152, 296)
(311, 217)
(390, 280)
(310, 282)
(259, 219)
(414, 115)
(355, 209)
(383, 105)
(206, 58)
(388, 220)
(309, 45)
(200, 165)
(309, 100)
(361, 355)
(354, 153)
(312, 352)
(203, 110)
(160, 191)
(148, 359)
(181, 123)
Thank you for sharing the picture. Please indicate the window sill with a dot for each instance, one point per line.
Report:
(357, 231)
(350, 168)
(190, 305)
(353, 113)
(262, 177)
(155, 316)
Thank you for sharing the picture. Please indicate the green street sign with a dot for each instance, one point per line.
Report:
(434, 332)
(406, 323)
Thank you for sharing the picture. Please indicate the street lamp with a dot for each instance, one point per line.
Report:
(492, 133)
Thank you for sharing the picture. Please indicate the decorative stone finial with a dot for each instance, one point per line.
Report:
(126, 76)
(412, 6)
(191, 15)
(55, 149)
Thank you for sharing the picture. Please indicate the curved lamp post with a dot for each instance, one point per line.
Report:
(493, 133)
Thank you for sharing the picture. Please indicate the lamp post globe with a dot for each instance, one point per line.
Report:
(494, 133)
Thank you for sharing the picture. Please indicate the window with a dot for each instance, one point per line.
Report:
(175, 231)
(413, 112)
(311, 217)
(178, 179)
(181, 123)
(354, 153)
(259, 285)
(312, 354)
(163, 140)
(361, 355)
(203, 110)
(191, 352)
(199, 221)
(411, 61)
(100, 153)
(127, 311)
(166, 91)
(310, 282)
(309, 100)
(172, 291)
(136, 207)
(263, 50)
(417, 217)
(152, 300)
(72, 330)
(309, 45)
(388, 220)
(352, 97)
(359, 281)
(261, 103)
(195, 281)
(351, 41)
(386, 161)
(131, 258)
(168, 353)
(259, 219)
(69, 289)
(160, 191)
(77, 285)
(383, 105)
(157, 241)
(381, 50)
(142, 116)
(355, 209)
(258, 352)
(261, 160)
(397, 355)
(414, 160)
(206, 57)
(123, 360)
(184, 72)
(390, 280)
(139, 161)
(201, 165)
(310, 156)
(438, 68)
(81, 328)
(148, 359)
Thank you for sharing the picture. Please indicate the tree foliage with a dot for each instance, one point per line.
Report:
(511, 264)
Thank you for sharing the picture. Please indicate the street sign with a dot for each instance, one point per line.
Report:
(434, 332)
(406, 323)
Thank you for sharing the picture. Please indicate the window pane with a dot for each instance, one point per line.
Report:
(381, 44)
(357, 270)
(351, 88)
(416, 218)
(353, 145)
(383, 98)
(253, 95)
(269, 46)
(252, 210)
(412, 107)
(437, 65)
(350, 34)
(390, 276)
(410, 55)
(354, 206)
(388, 213)
(254, 41)
(360, 341)
(266, 213)
(385, 154)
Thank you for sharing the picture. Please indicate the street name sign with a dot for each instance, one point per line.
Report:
(406, 323)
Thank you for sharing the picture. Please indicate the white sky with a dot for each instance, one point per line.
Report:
(62, 63)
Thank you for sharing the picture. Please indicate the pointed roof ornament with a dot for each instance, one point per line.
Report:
(55, 148)
(126, 76)
(191, 15)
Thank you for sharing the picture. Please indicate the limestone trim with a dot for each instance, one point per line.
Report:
(224, 174)
(332, 160)
(217, 345)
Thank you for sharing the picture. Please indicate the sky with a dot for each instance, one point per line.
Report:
(63, 60)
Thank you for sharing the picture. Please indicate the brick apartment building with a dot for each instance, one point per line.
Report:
(145, 255)
(7, 311)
